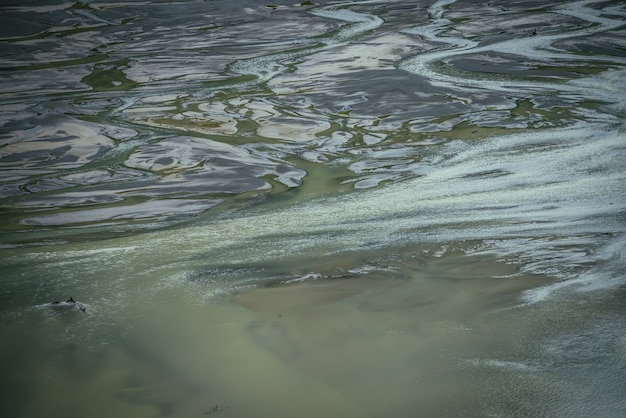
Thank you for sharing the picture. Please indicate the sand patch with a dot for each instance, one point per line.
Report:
(393, 345)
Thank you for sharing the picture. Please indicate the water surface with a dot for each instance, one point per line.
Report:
(377, 208)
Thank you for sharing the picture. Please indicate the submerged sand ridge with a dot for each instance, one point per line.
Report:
(408, 345)
(395, 344)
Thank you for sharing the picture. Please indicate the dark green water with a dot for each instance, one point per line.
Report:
(288, 209)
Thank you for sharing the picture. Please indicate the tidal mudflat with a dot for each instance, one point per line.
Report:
(377, 208)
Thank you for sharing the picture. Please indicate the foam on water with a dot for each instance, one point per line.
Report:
(267, 67)
(548, 209)
(534, 48)
(363, 22)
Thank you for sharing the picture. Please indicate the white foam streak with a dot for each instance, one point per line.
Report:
(546, 209)
(535, 48)
(270, 66)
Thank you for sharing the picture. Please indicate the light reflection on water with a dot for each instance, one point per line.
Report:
(365, 209)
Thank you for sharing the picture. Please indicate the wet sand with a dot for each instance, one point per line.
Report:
(397, 346)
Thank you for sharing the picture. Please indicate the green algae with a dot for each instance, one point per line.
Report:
(90, 59)
(110, 76)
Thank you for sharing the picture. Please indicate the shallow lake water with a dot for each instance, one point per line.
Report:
(316, 209)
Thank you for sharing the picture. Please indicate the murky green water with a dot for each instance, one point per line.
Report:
(378, 208)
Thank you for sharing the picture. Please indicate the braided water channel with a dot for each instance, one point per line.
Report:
(377, 208)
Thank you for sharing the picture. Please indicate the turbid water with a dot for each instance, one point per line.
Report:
(324, 209)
